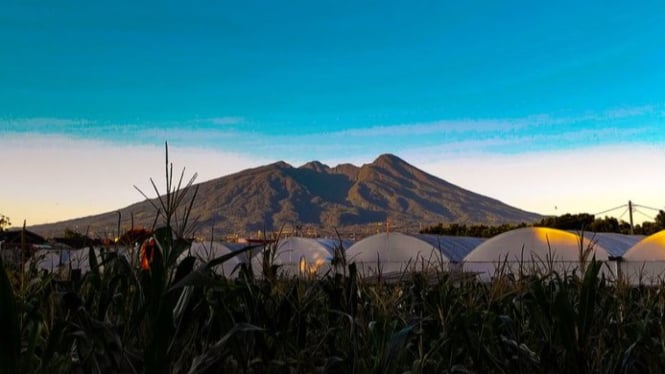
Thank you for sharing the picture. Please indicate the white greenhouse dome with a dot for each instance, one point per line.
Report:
(395, 252)
(531, 249)
(301, 256)
(644, 263)
(615, 244)
(79, 259)
(49, 260)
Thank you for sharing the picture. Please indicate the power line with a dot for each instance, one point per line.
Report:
(609, 210)
(625, 205)
(624, 212)
(648, 207)
(645, 215)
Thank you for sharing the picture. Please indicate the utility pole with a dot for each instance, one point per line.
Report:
(630, 214)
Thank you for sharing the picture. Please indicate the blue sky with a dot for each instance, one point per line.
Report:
(452, 88)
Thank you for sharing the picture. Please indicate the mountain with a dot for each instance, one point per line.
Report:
(315, 195)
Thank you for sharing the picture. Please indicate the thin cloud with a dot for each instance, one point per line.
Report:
(331, 146)
(630, 112)
(193, 137)
(493, 125)
(53, 124)
(498, 136)
(528, 144)
(40, 123)
(453, 126)
(225, 120)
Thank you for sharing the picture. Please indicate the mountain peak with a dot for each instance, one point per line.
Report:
(388, 159)
(316, 166)
(350, 170)
(281, 165)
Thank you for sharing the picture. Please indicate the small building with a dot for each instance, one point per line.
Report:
(49, 260)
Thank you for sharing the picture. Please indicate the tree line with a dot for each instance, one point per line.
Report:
(578, 222)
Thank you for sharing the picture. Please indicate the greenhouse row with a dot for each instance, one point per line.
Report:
(521, 252)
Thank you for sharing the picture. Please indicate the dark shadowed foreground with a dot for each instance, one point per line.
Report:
(172, 318)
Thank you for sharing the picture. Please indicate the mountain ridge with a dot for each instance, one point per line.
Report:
(277, 195)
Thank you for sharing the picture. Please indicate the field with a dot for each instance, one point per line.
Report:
(173, 318)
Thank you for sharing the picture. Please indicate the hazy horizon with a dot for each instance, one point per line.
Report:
(551, 108)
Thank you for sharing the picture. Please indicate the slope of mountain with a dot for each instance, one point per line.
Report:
(277, 195)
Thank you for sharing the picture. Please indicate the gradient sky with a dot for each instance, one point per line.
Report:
(552, 107)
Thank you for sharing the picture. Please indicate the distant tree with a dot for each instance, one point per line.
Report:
(660, 220)
(72, 234)
(568, 221)
(478, 231)
(624, 227)
(76, 239)
(607, 224)
(646, 228)
(4, 222)
(437, 229)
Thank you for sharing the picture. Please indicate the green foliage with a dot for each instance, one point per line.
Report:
(567, 221)
(577, 222)
(175, 204)
(10, 341)
(588, 222)
(72, 234)
(181, 319)
(611, 224)
(4, 222)
(478, 231)
(660, 220)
